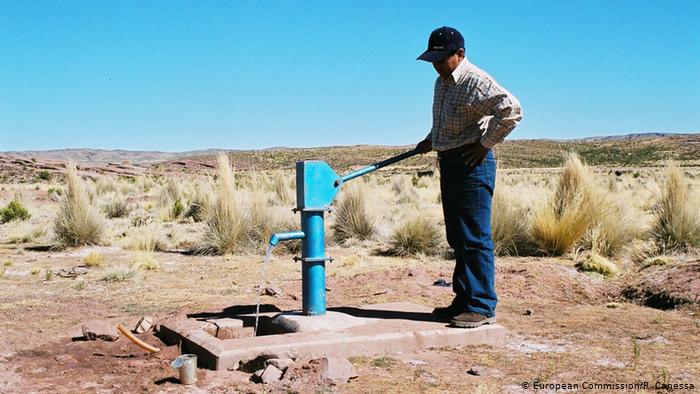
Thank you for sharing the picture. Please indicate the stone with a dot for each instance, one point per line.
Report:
(144, 324)
(65, 358)
(271, 374)
(272, 291)
(442, 283)
(336, 370)
(281, 363)
(100, 330)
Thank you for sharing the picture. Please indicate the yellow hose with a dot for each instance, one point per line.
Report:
(137, 341)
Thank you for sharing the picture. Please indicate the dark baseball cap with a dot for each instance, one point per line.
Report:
(441, 43)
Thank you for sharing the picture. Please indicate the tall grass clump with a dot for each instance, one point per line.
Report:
(282, 189)
(405, 190)
(226, 225)
(14, 210)
(78, 222)
(199, 201)
(676, 223)
(352, 218)
(510, 222)
(416, 235)
(146, 239)
(573, 209)
(116, 208)
(614, 230)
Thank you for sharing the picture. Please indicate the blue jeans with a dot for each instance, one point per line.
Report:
(466, 203)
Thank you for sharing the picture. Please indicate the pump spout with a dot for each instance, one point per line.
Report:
(289, 235)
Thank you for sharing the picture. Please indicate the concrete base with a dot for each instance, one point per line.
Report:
(367, 331)
(291, 322)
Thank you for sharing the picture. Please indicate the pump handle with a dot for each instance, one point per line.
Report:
(376, 166)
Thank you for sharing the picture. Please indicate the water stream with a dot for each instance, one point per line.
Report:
(261, 285)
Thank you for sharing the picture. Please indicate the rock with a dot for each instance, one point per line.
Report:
(478, 370)
(271, 374)
(336, 370)
(442, 283)
(65, 358)
(280, 363)
(99, 329)
(528, 312)
(144, 324)
(272, 291)
(416, 362)
(71, 272)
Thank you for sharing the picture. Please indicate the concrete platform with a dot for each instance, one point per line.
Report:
(367, 331)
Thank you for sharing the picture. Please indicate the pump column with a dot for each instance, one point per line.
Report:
(313, 263)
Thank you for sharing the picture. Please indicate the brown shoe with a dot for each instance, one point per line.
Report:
(471, 320)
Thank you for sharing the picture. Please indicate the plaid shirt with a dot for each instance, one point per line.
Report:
(470, 106)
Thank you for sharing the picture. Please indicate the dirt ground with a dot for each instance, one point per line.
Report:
(564, 326)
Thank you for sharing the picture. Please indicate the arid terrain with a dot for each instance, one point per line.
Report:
(598, 269)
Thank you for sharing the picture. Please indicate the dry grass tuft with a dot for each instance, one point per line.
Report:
(226, 224)
(116, 208)
(144, 239)
(510, 222)
(144, 261)
(416, 235)
(594, 262)
(352, 218)
(281, 188)
(119, 273)
(78, 221)
(676, 221)
(405, 191)
(574, 208)
(93, 259)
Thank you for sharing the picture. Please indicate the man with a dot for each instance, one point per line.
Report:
(471, 114)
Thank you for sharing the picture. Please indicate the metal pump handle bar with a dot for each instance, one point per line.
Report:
(376, 166)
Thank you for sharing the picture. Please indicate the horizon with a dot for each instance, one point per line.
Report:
(641, 135)
(181, 76)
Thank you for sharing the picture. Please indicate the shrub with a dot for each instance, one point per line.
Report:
(44, 175)
(676, 223)
(352, 219)
(574, 208)
(14, 211)
(226, 225)
(78, 221)
(117, 208)
(93, 259)
(415, 235)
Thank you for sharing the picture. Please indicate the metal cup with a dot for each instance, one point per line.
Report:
(187, 364)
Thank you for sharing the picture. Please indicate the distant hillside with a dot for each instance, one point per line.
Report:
(618, 151)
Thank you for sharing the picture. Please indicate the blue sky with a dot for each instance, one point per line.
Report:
(178, 75)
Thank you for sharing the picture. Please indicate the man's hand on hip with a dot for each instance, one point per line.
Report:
(424, 146)
(475, 154)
